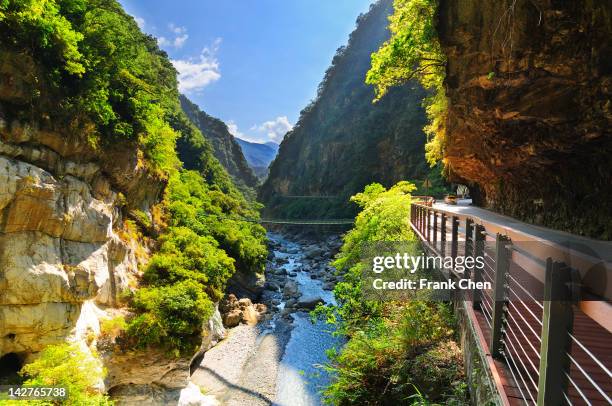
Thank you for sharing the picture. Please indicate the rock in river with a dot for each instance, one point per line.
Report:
(309, 302)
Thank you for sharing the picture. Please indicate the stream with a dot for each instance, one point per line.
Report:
(275, 362)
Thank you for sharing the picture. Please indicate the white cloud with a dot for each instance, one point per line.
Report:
(196, 74)
(140, 22)
(275, 129)
(178, 38)
(233, 129)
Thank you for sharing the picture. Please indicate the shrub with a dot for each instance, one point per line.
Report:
(388, 343)
(170, 316)
(66, 365)
(113, 327)
(184, 255)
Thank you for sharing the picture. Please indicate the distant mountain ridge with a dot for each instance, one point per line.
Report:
(225, 147)
(258, 155)
(342, 141)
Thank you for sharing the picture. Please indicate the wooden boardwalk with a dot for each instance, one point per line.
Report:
(511, 329)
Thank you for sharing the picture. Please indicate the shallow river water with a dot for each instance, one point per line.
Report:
(299, 380)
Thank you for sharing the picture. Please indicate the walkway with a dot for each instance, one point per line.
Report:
(531, 359)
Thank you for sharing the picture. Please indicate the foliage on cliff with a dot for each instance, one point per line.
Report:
(97, 75)
(395, 351)
(66, 366)
(342, 141)
(226, 148)
(94, 76)
(413, 51)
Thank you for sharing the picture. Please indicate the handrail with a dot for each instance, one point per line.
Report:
(522, 255)
(579, 260)
(544, 262)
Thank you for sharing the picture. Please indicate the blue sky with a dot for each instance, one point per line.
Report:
(253, 63)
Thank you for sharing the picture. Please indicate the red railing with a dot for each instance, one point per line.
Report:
(541, 317)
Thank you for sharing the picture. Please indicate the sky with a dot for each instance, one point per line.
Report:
(255, 64)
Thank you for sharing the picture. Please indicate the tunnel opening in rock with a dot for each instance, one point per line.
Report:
(10, 365)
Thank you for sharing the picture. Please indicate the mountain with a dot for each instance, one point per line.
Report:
(225, 147)
(342, 140)
(258, 155)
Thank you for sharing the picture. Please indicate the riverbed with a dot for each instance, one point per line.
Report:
(278, 360)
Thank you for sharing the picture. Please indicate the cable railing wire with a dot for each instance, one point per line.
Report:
(525, 321)
(569, 378)
(525, 353)
(488, 317)
(590, 354)
(527, 292)
(521, 331)
(526, 307)
(518, 385)
(588, 377)
(525, 369)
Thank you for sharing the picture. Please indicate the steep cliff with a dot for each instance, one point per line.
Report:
(529, 86)
(99, 218)
(225, 147)
(62, 211)
(342, 140)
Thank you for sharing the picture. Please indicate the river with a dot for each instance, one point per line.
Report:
(276, 362)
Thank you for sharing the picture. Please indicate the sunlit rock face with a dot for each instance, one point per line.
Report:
(529, 86)
(58, 246)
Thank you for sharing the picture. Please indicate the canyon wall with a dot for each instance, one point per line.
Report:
(343, 140)
(60, 229)
(529, 84)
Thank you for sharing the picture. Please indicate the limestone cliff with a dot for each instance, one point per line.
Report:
(60, 223)
(529, 84)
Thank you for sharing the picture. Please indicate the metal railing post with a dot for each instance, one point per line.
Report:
(443, 233)
(557, 322)
(454, 236)
(427, 224)
(502, 268)
(435, 227)
(476, 272)
(469, 235)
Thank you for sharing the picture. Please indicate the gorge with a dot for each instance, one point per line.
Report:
(134, 263)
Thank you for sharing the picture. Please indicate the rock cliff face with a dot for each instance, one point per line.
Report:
(226, 148)
(529, 85)
(59, 246)
(60, 220)
(342, 140)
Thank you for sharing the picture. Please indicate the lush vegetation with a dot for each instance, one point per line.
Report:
(413, 51)
(66, 366)
(93, 76)
(400, 351)
(206, 241)
(342, 141)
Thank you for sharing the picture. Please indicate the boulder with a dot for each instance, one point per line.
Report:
(244, 303)
(232, 318)
(328, 286)
(271, 286)
(250, 316)
(309, 302)
(290, 288)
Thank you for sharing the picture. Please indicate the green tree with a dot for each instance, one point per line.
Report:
(414, 51)
(67, 366)
(388, 342)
